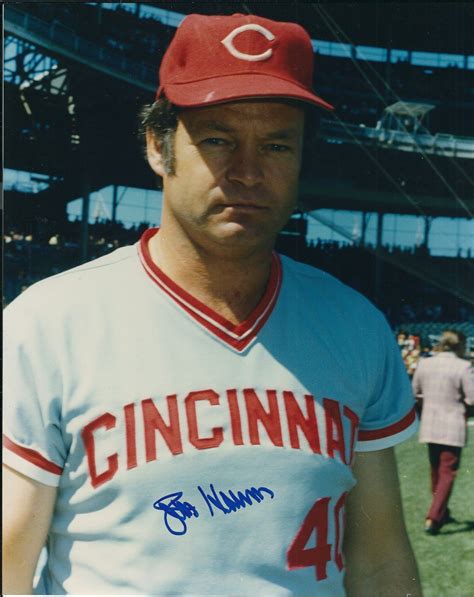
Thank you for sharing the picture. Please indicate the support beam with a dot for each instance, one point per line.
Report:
(85, 221)
(380, 218)
(363, 232)
(114, 203)
(426, 234)
(378, 261)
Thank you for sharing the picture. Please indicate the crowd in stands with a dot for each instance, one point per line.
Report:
(33, 255)
(411, 351)
(414, 347)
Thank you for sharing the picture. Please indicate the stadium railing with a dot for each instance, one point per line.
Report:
(57, 37)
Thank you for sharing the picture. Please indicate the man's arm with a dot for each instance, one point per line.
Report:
(379, 557)
(416, 382)
(27, 511)
(417, 389)
(467, 383)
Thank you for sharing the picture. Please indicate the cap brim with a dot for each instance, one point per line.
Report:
(218, 90)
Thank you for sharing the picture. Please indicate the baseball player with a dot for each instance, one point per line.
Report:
(191, 415)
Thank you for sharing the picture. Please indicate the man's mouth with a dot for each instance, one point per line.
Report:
(243, 206)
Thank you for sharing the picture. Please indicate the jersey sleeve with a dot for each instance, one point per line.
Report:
(32, 439)
(389, 417)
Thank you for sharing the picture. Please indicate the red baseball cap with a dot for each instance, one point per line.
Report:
(216, 59)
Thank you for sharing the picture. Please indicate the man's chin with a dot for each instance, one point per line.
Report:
(242, 232)
(234, 235)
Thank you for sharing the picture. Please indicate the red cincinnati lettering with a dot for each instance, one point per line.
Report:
(202, 443)
(106, 421)
(130, 435)
(296, 419)
(235, 421)
(270, 420)
(334, 424)
(153, 421)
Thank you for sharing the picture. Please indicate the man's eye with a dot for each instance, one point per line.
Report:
(277, 147)
(214, 141)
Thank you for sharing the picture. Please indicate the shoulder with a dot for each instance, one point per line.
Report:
(445, 361)
(325, 291)
(464, 364)
(73, 290)
(452, 360)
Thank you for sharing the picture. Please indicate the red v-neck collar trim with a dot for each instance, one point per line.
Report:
(237, 336)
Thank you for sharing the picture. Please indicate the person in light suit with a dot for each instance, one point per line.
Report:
(445, 386)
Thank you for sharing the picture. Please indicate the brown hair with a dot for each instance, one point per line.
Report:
(161, 118)
(452, 341)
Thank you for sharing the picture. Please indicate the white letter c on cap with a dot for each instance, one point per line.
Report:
(228, 43)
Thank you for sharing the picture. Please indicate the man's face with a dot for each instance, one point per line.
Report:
(236, 176)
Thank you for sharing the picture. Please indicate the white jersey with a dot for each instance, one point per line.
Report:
(193, 455)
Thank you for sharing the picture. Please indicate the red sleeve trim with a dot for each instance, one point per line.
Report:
(390, 430)
(32, 456)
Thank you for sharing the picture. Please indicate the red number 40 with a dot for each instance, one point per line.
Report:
(300, 556)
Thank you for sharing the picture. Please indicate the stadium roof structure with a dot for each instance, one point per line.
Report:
(72, 133)
(409, 109)
(433, 26)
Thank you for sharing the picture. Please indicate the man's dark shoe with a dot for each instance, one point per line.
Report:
(431, 527)
(448, 518)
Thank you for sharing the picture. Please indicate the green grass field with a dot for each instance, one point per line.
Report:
(446, 561)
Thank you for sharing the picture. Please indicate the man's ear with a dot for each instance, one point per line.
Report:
(154, 155)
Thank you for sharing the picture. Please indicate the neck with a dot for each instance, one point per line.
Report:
(231, 282)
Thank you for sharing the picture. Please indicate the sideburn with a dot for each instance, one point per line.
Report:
(167, 152)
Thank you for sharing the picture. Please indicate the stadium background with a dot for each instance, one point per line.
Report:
(386, 201)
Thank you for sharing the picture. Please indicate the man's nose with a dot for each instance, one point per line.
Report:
(245, 166)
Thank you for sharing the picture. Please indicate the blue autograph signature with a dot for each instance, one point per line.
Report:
(231, 503)
(176, 512)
